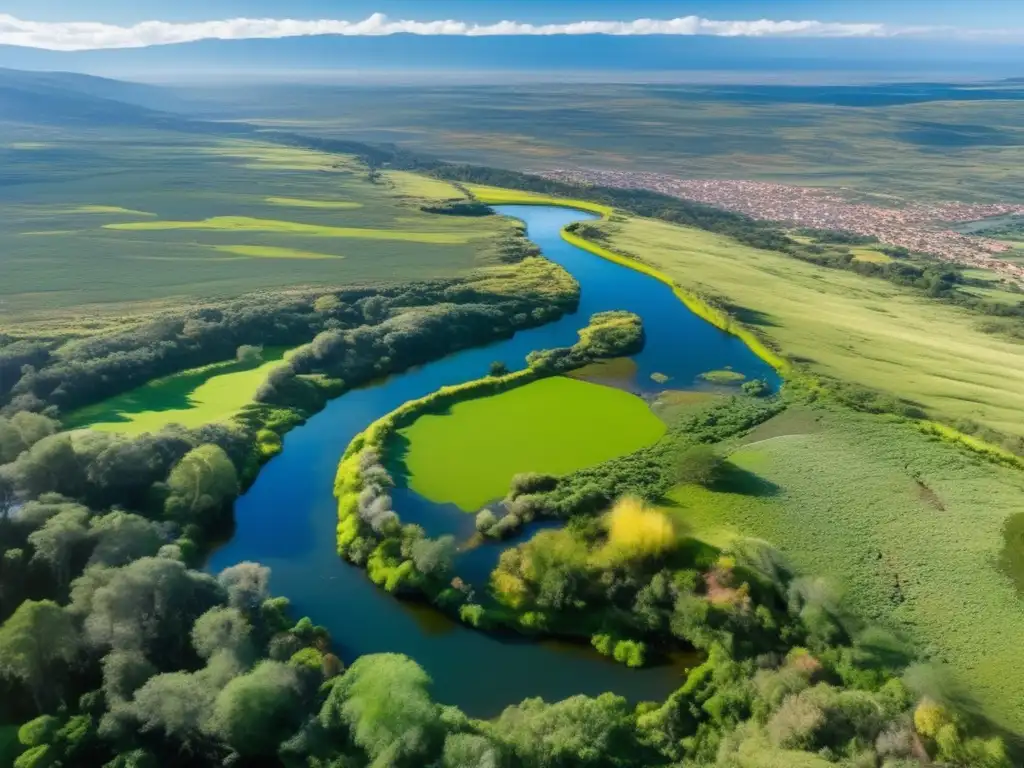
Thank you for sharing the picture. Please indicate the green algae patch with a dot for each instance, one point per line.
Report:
(557, 425)
(271, 252)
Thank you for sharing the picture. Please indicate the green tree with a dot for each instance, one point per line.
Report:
(56, 543)
(21, 431)
(383, 703)
(223, 630)
(202, 482)
(327, 304)
(124, 672)
(122, 537)
(257, 711)
(177, 705)
(467, 750)
(37, 638)
(148, 605)
(578, 731)
(247, 585)
(249, 354)
(434, 557)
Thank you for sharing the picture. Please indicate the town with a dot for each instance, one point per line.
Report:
(920, 227)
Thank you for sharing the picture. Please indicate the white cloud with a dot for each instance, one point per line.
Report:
(75, 36)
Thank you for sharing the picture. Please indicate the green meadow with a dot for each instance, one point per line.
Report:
(269, 252)
(248, 224)
(191, 398)
(915, 533)
(291, 202)
(120, 223)
(855, 328)
(468, 455)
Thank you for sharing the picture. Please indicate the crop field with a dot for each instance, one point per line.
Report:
(109, 224)
(912, 530)
(468, 455)
(939, 144)
(190, 398)
(855, 328)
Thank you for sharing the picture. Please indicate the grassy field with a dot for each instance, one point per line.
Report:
(870, 255)
(912, 529)
(946, 146)
(121, 222)
(501, 196)
(468, 456)
(191, 398)
(855, 328)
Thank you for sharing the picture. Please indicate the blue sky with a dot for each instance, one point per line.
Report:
(543, 34)
(976, 13)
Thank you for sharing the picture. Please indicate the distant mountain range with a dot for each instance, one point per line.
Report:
(470, 57)
(71, 99)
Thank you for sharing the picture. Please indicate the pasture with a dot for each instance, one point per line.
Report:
(911, 530)
(124, 222)
(855, 328)
(468, 455)
(191, 398)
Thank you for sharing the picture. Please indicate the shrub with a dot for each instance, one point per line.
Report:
(636, 531)
(632, 653)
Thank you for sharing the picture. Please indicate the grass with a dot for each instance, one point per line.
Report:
(191, 398)
(502, 196)
(274, 226)
(469, 455)
(912, 529)
(839, 323)
(292, 202)
(80, 272)
(870, 255)
(421, 187)
(269, 252)
(108, 209)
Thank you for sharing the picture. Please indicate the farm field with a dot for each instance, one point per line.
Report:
(190, 398)
(119, 224)
(855, 328)
(914, 531)
(468, 455)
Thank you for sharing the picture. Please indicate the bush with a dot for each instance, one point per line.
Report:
(756, 388)
(632, 653)
(249, 354)
(700, 464)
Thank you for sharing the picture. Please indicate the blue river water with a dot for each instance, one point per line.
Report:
(286, 520)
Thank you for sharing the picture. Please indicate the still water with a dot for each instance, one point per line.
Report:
(287, 518)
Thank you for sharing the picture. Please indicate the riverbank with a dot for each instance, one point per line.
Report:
(701, 307)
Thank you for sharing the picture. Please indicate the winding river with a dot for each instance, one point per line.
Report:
(287, 518)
